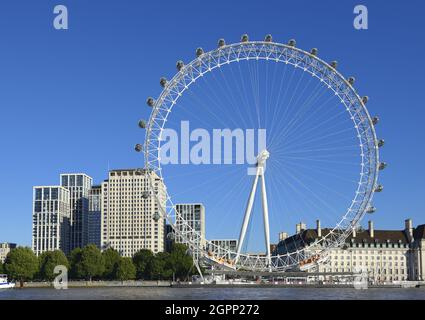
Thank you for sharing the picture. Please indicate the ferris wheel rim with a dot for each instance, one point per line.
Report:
(151, 158)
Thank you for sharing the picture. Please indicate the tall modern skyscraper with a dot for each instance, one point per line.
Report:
(131, 219)
(92, 220)
(190, 221)
(78, 185)
(51, 219)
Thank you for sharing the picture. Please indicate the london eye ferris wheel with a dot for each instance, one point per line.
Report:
(319, 159)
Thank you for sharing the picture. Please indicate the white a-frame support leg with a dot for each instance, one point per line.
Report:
(247, 215)
(261, 159)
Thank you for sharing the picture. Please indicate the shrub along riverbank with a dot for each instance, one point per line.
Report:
(89, 263)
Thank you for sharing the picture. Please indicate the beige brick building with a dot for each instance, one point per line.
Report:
(131, 218)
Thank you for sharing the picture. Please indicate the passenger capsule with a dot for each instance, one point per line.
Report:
(382, 165)
(244, 38)
(142, 124)
(375, 120)
(292, 43)
(365, 99)
(156, 217)
(163, 82)
(145, 195)
(351, 80)
(179, 65)
(199, 52)
(268, 38)
(370, 209)
(334, 64)
(381, 143)
(314, 51)
(138, 147)
(150, 102)
(379, 188)
(221, 43)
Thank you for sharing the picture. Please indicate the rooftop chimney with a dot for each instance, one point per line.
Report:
(318, 228)
(408, 226)
(300, 227)
(354, 231)
(371, 229)
(283, 236)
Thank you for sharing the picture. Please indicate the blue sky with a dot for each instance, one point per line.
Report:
(70, 100)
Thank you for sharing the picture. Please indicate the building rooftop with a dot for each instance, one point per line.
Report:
(362, 236)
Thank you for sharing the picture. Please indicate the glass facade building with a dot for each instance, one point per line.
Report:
(51, 219)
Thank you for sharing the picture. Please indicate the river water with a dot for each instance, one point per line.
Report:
(147, 293)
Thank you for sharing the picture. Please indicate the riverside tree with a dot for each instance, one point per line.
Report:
(48, 261)
(161, 266)
(143, 262)
(87, 263)
(181, 261)
(1, 268)
(125, 269)
(74, 261)
(21, 264)
(111, 258)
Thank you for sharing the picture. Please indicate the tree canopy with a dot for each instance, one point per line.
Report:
(21, 264)
(143, 262)
(125, 269)
(48, 261)
(87, 263)
(111, 258)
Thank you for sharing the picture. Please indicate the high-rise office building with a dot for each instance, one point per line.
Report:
(78, 185)
(51, 219)
(190, 225)
(131, 218)
(92, 220)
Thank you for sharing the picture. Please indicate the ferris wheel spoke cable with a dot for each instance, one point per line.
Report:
(299, 174)
(286, 132)
(254, 92)
(308, 200)
(320, 138)
(324, 171)
(302, 134)
(299, 118)
(230, 97)
(238, 81)
(282, 185)
(244, 89)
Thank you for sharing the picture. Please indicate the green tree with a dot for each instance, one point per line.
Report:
(111, 258)
(125, 269)
(74, 260)
(48, 261)
(161, 266)
(1, 268)
(91, 262)
(180, 261)
(21, 264)
(143, 262)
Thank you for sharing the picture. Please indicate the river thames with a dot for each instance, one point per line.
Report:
(148, 293)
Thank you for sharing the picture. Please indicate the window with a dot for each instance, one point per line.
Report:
(80, 180)
(54, 194)
(46, 192)
(38, 194)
